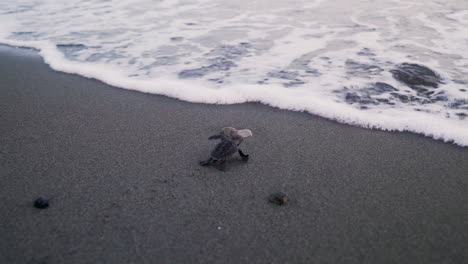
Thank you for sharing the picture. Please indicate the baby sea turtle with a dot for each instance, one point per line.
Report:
(225, 150)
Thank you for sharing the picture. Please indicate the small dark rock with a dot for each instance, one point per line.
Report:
(231, 52)
(366, 52)
(219, 64)
(385, 101)
(283, 74)
(439, 98)
(352, 98)
(312, 71)
(177, 39)
(292, 84)
(458, 104)
(41, 203)
(420, 90)
(405, 98)
(383, 87)
(278, 198)
(462, 116)
(415, 75)
(362, 69)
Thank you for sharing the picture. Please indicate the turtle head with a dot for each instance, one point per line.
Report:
(232, 132)
(228, 131)
(244, 133)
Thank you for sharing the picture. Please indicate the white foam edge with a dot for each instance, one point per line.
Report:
(272, 95)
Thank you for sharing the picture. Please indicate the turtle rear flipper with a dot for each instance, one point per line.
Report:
(244, 156)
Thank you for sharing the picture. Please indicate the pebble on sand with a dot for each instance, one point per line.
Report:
(278, 198)
(41, 203)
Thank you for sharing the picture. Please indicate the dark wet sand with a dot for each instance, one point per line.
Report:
(121, 170)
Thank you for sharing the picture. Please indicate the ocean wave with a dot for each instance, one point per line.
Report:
(389, 65)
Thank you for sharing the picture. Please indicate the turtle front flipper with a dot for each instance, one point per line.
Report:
(244, 157)
(216, 137)
(207, 162)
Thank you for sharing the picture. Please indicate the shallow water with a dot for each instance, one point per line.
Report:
(336, 58)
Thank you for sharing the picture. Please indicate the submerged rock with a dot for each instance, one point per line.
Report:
(420, 79)
(219, 64)
(293, 83)
(41, 203)
(415, 76)
(458, 104)
(362, 69)
(177, 39)
(366, 95)
(232, 52)
(278, 198)
(405, 98)
(351, 98)
(283, 74)
(366, 52)
(380, 88)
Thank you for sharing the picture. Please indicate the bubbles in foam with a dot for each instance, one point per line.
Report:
(344, 60)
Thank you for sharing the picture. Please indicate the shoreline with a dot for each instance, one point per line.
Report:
(121, 168)
(172, 89)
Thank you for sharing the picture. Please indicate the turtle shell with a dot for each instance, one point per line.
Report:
(224, 150)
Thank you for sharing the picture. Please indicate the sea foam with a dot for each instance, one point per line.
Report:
(330, 58)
